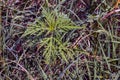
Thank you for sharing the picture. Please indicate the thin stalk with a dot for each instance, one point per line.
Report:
(1, 48)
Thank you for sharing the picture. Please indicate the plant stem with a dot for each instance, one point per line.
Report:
(1, 26)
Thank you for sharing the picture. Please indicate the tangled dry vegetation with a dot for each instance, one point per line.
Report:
(59, 40)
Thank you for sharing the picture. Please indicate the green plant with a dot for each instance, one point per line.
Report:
(52, 27)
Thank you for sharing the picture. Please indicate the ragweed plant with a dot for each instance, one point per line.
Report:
(52, 26)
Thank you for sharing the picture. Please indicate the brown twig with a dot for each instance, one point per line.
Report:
(110, 13)
(78, 40)
(0, 26)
